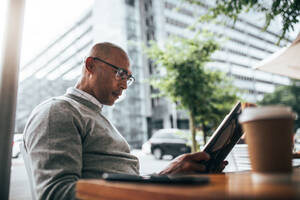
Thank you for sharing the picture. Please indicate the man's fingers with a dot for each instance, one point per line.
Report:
(191, 167)
(187, 163)
(199, 156)
(222, 166)
(196, 167)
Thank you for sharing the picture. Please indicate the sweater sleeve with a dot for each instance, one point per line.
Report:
(54, 144)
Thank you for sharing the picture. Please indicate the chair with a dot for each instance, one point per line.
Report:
(296, 160)
(241, 157)
(28, 170)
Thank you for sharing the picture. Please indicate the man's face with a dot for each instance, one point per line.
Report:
(105, 87)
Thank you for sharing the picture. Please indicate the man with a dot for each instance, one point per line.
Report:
(67, 137)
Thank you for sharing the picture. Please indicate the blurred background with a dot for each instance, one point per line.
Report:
(58, 34)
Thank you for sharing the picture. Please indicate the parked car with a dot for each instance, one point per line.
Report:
(166, 142)
(18, 138)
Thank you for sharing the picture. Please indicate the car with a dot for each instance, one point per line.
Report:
(18, 138)
(166, 142)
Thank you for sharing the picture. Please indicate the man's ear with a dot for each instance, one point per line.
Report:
(89, 64)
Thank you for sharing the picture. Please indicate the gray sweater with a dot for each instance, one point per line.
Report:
(67, 138)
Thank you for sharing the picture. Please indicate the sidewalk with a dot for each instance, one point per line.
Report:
(19, 185)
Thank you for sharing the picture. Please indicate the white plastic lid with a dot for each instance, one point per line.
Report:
(266, 112)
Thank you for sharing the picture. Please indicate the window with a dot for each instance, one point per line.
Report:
(130, 2)
(157, 124)
(183, 123)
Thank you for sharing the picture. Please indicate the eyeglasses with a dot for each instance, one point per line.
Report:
(121, 74)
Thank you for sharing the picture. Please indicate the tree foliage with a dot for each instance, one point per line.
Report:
(184, 79)
(286, 95)
(288, 10)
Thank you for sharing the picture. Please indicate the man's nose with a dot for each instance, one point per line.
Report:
(123, 84)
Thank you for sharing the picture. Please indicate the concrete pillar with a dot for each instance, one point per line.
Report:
(8, 88)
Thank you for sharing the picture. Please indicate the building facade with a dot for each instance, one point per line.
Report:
(132, 24)
(245, 45)
(59, 66)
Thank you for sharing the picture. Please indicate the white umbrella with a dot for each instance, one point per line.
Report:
(285, 62)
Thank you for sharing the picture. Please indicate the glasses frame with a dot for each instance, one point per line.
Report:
(130, 78)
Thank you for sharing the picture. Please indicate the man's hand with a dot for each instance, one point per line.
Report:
(189, 163)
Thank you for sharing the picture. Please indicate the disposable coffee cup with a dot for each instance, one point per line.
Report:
(268, 132)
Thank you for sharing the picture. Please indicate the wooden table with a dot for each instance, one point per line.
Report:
(221, 186)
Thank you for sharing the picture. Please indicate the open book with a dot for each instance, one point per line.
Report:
(223, 139)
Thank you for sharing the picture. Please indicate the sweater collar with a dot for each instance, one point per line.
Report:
(82, 94)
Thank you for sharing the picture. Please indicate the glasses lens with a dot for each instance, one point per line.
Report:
(130, 81)
(122, 75)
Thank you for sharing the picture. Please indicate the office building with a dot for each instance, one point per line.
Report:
(246, 45)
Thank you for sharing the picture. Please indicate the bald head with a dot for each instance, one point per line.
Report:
(105, 50)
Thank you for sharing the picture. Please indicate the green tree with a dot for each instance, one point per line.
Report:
(288, 10)
(184, 79)
(285, 95)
